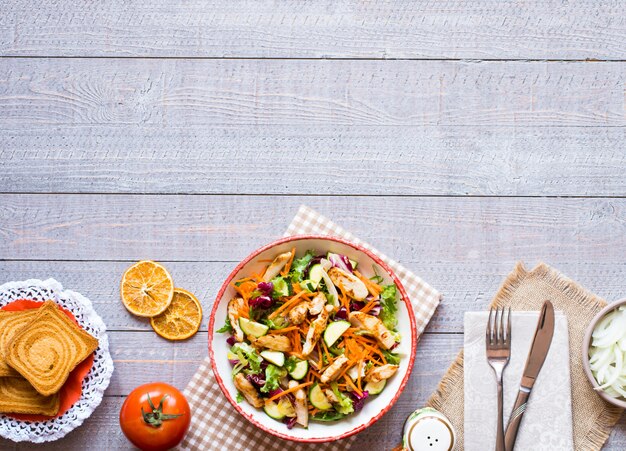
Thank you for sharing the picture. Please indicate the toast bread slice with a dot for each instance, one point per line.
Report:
(18, 396)
(48, 348)
(10, 324)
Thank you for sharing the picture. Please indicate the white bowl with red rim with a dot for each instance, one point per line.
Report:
(375, 406)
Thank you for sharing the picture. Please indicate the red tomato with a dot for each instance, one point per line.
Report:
(164, 421)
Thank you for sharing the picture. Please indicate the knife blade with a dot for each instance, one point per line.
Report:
(537, 355)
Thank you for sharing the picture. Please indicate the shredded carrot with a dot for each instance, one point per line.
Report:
(284, 330)
(369, 306)
(287, 267)
(321, 358)
(345, 370)
(314, 412)
(374, 351)
(294, 337)
(245, 313)
(358, 381)
(375, 361)
(290, 390)
(328, 356)
(372, 287)
(351, 384)
(305, 297)
(290, 302)
(245, 288)
(344, 301)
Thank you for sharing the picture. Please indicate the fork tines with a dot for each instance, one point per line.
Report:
(498, 334)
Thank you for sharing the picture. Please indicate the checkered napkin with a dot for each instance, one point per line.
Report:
(217, 426)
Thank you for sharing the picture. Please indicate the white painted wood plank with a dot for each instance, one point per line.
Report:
(259, 93)
(227, 228)
(465, 285)
(552, 29)
(307, 159)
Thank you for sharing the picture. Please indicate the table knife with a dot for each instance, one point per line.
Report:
(537, 355)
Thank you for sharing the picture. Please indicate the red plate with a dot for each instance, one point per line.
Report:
(72, 389)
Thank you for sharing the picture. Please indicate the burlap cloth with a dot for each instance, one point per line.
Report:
(524, 290)
(215, 425)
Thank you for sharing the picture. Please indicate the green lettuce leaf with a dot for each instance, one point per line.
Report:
(246, 355)
(329, 415)
(344, 406)
(273, 375)
(227, 327)
(299, 265)
(389, 306)
(281, 287)
(392, 358)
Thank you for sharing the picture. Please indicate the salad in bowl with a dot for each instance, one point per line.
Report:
(313, 333)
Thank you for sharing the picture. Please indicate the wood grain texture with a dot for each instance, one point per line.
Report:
(466, 285)
(372, 113)
(307, 159)
(552, 29)
(227, 228)
(259, 93)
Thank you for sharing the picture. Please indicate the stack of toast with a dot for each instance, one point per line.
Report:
(38, 350)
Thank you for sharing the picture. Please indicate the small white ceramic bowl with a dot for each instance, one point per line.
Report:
(376, 406)
(619, 402)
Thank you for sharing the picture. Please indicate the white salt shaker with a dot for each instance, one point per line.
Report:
(428, 430)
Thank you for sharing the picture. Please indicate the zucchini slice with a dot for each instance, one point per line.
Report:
(252, 327)
(273, 411)
(374, 388)
(300, 370)
(318, 398)
(333, 331)
(275, 357)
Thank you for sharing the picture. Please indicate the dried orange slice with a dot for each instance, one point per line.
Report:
(147, 289)
(182, 318)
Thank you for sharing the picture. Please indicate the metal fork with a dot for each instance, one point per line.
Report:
(498, 339)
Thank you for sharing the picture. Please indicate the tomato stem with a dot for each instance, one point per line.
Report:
(156, 417)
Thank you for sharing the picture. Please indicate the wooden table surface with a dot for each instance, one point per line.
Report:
(458, 137)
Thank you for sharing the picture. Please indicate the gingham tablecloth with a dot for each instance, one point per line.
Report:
(217, 426)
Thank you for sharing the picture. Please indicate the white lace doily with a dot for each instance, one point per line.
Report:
(94, 384)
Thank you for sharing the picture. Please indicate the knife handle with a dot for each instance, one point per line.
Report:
(516, 418)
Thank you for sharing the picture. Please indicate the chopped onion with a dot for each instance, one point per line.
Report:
(607, 358)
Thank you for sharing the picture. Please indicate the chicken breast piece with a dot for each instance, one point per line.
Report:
(374, 327)
(248, 390)
(350, 284)
(273, 343)
(301, 407)
(234, 307)
(316, 305)
(276, 266)
(298, 314)
(381, 373)
(332, 372)
(331, 395)
(315, 332)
